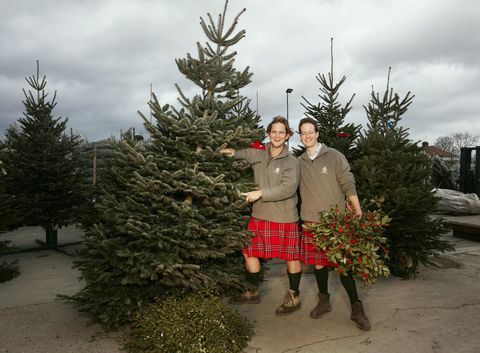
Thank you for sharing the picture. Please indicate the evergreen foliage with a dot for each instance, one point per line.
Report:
(95, 154)
(442, 175)
(170, 217)
(355, 244)
(9, 217)
(189, 324)
(41, 173)
(331, 114)
(7, 221)
(8, 270)
(396, 168)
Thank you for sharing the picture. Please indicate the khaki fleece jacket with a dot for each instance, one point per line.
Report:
(278, 178)
(325, 182)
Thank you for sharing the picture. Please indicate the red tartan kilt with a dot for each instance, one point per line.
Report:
(273, 240)
(309, 254)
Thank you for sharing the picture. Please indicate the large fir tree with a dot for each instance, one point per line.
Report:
(331, 114)
(394, 167)
(170, 215)
(41, 173)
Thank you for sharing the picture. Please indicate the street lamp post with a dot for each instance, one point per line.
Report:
(288, 91)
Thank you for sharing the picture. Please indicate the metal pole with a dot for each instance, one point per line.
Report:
(288, 91)
(287, 109)
(94, 167)
(151, 94)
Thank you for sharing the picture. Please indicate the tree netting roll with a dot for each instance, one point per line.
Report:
(95, 156)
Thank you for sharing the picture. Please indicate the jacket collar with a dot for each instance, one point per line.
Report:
(282, 154)
(323, 150)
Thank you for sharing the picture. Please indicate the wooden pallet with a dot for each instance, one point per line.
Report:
(465, 230)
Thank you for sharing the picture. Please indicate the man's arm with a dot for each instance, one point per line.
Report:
(230, 152)
(355, 204)
(249, 155)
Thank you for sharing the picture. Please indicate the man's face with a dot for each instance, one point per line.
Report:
(278, 135)
(308, 135)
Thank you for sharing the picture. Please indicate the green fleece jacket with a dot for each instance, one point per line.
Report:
(278, 178)
(325, 182)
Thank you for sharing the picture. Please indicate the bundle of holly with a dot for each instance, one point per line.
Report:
(354, 244)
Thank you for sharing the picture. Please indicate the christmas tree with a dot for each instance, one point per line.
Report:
(9, 219)
(41, 171)
(394, 167)
(170, 218)
(331, 115)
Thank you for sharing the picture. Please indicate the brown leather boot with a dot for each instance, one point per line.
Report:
(323, 306)
(247, 297)
(291, 303)
(358, 315)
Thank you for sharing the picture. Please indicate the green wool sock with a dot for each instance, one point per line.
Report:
(349, 284)
(321, 275)
(294, 279)
(253, 280)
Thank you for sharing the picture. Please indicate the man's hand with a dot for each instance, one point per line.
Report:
(252, 196)
(355, 204)
(227, 152)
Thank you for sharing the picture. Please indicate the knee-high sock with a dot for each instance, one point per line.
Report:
(321, 276)
(294, 280)
(253, 280)
(349, 284)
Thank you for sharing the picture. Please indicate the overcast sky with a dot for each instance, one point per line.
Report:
(102, 56)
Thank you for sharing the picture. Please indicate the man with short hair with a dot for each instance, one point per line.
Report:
(325, 182)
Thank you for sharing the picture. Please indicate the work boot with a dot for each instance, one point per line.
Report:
(291, 303)
(358, 315)
(247, 297)
(322, 307)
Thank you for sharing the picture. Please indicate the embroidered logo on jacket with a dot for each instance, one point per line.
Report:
(324, 170)
(277, 170)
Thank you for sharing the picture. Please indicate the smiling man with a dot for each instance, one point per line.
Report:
(325, 182)
(274, 220)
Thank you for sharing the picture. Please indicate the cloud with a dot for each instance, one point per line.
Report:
(102, 57)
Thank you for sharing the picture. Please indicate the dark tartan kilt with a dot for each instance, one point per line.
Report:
(309, 253)
(273, 240)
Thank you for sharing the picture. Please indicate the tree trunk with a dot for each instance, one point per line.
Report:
(51, 236)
